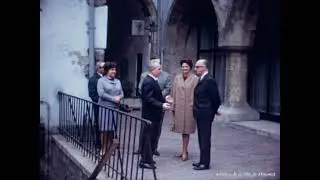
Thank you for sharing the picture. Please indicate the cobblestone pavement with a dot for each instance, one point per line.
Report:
(235, 155)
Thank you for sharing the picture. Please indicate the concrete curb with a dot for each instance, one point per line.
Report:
(258, 131)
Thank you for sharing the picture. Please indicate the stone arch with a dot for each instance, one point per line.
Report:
(181, 30)
(234, 18)
(238, 22)
(216, 6)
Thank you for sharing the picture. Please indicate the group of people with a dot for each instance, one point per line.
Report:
(193, 99)
(105, 90)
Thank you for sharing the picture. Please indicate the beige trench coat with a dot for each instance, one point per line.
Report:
(182, 93)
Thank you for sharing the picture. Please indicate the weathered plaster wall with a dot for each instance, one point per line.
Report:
(63, 50)
(64, 44)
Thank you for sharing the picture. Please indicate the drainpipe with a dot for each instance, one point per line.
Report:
(91, 28)
(43, 102)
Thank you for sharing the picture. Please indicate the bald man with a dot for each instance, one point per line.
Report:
(205, 105)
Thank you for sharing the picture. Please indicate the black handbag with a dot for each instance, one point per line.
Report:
(124, 107)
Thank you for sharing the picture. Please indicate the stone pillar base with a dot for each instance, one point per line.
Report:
(231, 114)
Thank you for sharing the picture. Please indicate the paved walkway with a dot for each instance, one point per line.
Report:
(236, 154)
(262, 127)
(265, 128)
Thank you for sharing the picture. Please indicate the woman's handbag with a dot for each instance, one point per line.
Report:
(124, 107)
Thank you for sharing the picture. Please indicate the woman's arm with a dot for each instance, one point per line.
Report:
(173, 92)
(121, 94)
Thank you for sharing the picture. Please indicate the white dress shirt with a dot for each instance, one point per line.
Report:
(155, 78)
(203, 75)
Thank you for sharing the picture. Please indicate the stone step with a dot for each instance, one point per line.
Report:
(261, 127)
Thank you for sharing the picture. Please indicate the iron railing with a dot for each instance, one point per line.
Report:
(81, 121)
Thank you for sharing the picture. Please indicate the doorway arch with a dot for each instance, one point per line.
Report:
(191, 33)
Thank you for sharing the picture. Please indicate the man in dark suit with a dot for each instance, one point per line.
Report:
(165, 83)
(153, 104)
(205, 106)
(93, 94)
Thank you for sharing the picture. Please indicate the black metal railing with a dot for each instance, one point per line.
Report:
(81, 122)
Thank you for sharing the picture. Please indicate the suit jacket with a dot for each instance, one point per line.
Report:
(108, 90)
(152, 99)
(164, 81)
(206, 98)
(92, 86)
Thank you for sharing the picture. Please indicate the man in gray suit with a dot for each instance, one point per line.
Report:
(165, 83)
(164, 80)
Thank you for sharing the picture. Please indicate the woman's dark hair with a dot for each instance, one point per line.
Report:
(109, 65)
(187, 61)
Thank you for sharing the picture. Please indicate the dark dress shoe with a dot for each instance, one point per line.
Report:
(147, 165)
(156, 153)
(201, 167)
(196, 164)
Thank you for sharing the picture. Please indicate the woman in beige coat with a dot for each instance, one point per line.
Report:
(182, 94)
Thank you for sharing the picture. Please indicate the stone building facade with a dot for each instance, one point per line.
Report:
(240, 38)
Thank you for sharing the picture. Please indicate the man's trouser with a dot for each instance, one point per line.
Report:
(158, 134)
(96, 125)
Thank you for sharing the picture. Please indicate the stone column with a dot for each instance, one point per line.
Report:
(235, 106)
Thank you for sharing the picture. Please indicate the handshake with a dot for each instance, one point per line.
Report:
(169, 101)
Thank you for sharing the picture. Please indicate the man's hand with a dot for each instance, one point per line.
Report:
(166, 106)
(169, 99)
(117, 99)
